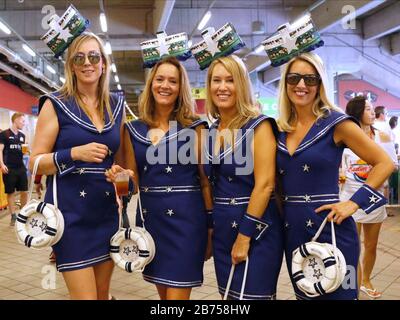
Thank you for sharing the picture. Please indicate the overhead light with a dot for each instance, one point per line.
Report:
(108, 48)
(257, 27)
(119, 87)
(103, 22)
(51, 69)
(28, 50)
(4, 28)
(204, 21)
(259, 49)
(114, 68)
(62, 79)
(190, 42)
(116, 78)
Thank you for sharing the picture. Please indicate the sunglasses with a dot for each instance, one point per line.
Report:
(80, 58)
(309, 79)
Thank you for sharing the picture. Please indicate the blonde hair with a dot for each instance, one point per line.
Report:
(244, 94)
(70, 89)
(321, 106)
(16, 115)
(184, 106)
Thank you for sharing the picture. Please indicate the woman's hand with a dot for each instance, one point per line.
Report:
(91, 152)
(240, 248)
(339, 211)
(209, 245)
(112, 173)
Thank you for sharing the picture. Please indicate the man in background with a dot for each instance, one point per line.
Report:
(11, 163)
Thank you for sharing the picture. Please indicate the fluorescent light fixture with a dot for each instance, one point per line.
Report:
(103, 22)
(204, 21)
(4, 28)
(62, 79)
(108, 48)
(259, 49)
(114, 68)
(119, 87)
(116, 78)
(51, 69)
(28, 50)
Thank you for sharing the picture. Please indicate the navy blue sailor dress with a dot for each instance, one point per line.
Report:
(172, 203)
(85, 198)
(231, 191)
(309, 180)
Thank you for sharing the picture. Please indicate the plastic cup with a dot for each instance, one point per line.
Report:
(122, 183)
(25, 148)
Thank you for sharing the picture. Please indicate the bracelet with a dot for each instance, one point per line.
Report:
(368, 199)
(63, 161)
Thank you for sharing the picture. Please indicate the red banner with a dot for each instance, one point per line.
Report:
(348, 89)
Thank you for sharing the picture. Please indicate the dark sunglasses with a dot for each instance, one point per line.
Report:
(309, 79)
(80, 58)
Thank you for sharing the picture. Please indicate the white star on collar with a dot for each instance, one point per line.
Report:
(168, 169)
(234, 224)
(110, 152)
(146, 189)
(107, 193)
(259, 226)
(230, 179)
(145, 168)
(287, 225)
(306, 168)
(170, 212)
(281, 171)
(63, 166)
(307, 198)
(169, 189)
(144, 211)
(286, 198)
(373, 199)
(81, 171)
(233, 201)
(83, 193)
(309, 223)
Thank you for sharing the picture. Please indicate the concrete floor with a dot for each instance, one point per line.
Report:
(24, 272)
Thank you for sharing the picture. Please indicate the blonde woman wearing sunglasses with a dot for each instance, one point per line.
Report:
(78, 132)
(313, 136)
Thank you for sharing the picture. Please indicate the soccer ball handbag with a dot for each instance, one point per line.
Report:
(39, 224)
(132, 249)
(318, 268)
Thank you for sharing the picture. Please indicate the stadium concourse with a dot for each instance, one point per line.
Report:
(26, 274)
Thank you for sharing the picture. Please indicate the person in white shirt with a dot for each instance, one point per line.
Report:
(380, 121)
(356, 171)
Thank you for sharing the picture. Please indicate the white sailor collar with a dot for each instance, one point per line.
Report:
(139, 130)
(248, 126)
(76, 114)
(318, 130)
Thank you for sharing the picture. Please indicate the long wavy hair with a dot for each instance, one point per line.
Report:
(245, 103)
(184, 106)
(70, 89)
(321, 106)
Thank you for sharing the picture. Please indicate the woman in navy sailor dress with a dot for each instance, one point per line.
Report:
(171, 183)
(247, 222)
(79, 150)
(310, 148)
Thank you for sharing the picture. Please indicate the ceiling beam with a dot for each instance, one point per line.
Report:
(382, 23)
(162, 13)
(395, 43)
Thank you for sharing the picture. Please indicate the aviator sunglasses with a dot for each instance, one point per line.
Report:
(309, 79)
(80, 58)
